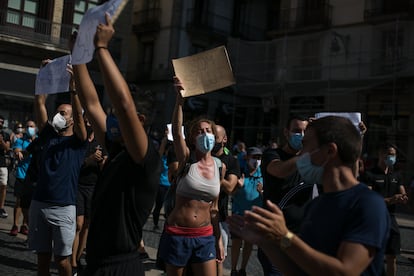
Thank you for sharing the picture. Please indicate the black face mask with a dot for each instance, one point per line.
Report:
(216, 148)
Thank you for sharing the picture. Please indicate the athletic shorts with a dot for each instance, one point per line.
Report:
(52, 228)
(27, 194)
(84, 201)
(4, 174)
(125, 265)
(394, 241)
(18, 187)
(23, 190)
(180, 250)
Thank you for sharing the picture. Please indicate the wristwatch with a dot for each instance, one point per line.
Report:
(286, 240)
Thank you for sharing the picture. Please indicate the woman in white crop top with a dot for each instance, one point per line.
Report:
(191, 235)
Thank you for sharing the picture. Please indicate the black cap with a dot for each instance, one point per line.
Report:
(254, 151)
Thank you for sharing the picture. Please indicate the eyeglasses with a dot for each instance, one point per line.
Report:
(30, 126)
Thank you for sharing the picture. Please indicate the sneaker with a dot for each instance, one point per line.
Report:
(241, 272)
(143, 256)
(74, 271)
(24, 230)
(14, 230)
(3, 213)
(233, 272)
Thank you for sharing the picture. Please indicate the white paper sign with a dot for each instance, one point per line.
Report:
(53, 77)
(84, 48)
(355, 117)
(169, 134)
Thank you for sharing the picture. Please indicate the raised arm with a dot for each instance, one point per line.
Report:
(40, 105)
(181, 150)
(40, 111)
(134, 135)
(90, 101)
(79, 127)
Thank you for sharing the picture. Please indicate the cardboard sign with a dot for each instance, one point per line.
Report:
(204, 72)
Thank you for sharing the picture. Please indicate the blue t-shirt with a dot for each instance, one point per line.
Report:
(164, 172)
(60, 160)
(247, 196)
(22, 165)
(355, 215)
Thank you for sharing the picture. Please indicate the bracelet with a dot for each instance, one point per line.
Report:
(100, 47)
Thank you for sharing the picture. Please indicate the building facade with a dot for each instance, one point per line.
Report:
(31, 31)
(288, 56)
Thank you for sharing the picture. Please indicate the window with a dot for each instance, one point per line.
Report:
(80, 9)
(392, 50)
(22, 12)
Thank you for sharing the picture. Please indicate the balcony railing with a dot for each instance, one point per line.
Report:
(35, 30)
(390, 8)
(301, 17)
(147, 20)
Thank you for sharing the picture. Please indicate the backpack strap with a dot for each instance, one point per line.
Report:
(219, 164)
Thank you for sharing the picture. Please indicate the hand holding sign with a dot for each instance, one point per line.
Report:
(84, 46)
(53, 76)
(204, 72)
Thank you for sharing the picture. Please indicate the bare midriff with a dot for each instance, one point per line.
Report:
(190, 213)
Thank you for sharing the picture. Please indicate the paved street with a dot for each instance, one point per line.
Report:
(16, 259)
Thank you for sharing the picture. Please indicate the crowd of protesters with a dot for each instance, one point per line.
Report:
(87, 164)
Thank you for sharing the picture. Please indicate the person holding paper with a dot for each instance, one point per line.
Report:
(192, 234)
(344, 231)
(52, 214)
(126, 190)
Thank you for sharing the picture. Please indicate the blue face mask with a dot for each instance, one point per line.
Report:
(295, 141)
(205, 142)
(31, 131)
(310, 173)
(113, 132)
(390, 160)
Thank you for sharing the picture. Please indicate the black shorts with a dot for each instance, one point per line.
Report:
(23, 190)
(84, 200)
(394, 241)
(18, 187)
(128, 265)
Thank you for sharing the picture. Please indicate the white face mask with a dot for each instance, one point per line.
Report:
(59, 122)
